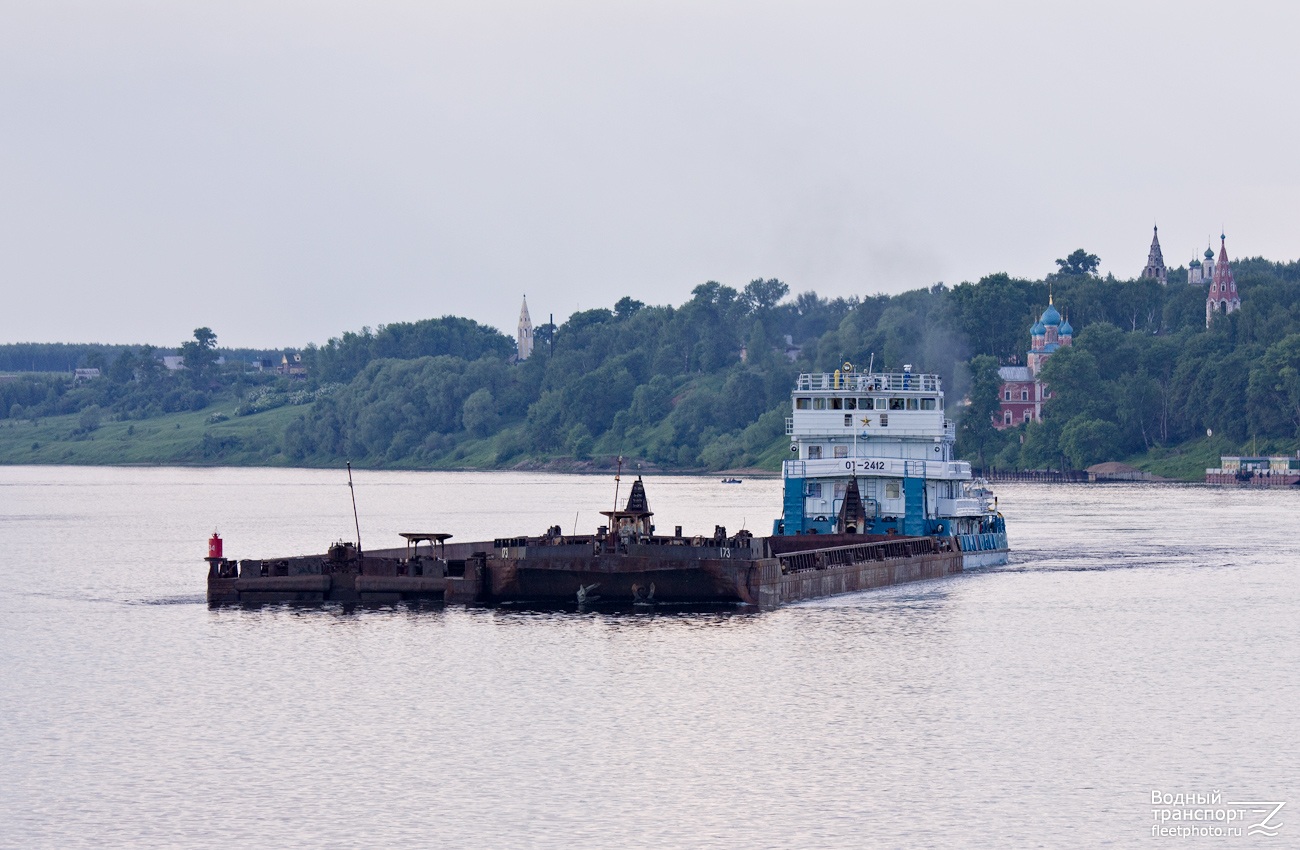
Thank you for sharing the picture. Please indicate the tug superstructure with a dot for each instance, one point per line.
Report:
(873, 454)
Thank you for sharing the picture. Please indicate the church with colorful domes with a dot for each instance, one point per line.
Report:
(1199, 272)
(1022, 392)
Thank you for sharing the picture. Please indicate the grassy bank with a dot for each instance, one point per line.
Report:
(1188, 462)
(195, 439)
(179, 438)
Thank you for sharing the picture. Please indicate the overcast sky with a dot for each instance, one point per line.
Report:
(285, 171)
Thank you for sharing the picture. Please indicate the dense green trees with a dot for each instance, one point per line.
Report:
(133, 382)
(342, 358)
(668, 383)
(1274, 388)
(976, 437)
(1079, 264)
(54, 356)
(1147, 373)
(707, 384)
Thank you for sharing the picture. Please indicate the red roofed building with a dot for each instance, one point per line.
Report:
(1223, 296)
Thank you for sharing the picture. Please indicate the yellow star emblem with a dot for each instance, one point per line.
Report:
(866, 420)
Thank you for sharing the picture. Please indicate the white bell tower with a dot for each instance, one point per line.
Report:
(524, 333)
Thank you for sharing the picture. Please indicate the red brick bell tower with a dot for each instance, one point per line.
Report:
(1222, 297)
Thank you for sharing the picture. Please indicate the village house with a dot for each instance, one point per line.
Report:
(291, 364)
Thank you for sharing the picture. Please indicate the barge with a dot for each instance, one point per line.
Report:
(873, 499)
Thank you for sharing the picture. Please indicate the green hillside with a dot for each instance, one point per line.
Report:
(701, 386)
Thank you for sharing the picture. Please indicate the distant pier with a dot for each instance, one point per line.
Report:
(1036, 476)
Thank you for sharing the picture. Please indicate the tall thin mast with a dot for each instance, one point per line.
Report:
(617, 478)
(354, 507)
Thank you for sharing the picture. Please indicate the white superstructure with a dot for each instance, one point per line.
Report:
(872, 453)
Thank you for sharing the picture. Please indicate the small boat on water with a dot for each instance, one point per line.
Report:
(874, 498)
(731, 481)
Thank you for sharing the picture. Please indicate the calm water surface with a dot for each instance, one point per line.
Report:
(1143, 637)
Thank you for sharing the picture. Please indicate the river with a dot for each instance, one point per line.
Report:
(1143, 638)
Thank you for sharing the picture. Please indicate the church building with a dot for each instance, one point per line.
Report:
(1022, 392)
(1223, 296)
(1201, 272)
(524, 333)
(1155, 268)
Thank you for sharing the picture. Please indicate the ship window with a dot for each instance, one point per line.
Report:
(841, 451)
(912, 404)
(814, 452)
(884, 420)
(895, 404)
(815, 489)
(840, 489)
(891, 489)
(803, 404)
(837, 404)
(850, 404)
(848, 420)
(864, 404)
(819, 404)
(927, 404)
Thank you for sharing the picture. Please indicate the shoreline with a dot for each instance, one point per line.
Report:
(557, 467)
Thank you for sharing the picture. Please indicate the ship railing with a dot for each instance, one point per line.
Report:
(962, 506)
(824, 429)
(874, 382)
(861, 553)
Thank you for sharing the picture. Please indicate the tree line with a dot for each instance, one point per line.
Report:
(133, 382)
(706, 384)
(1146, 373)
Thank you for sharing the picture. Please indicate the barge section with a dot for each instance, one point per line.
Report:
(630, 565)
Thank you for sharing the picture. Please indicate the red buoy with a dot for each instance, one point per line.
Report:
(214, 546)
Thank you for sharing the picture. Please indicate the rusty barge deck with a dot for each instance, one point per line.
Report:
(765, 572)
(624, 562)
